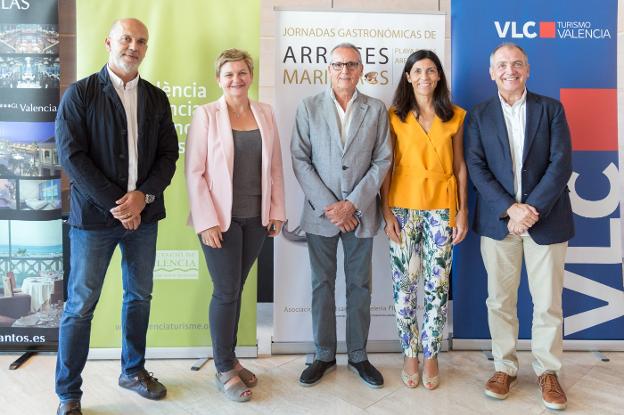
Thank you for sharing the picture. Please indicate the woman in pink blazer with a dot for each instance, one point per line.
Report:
(236, 194)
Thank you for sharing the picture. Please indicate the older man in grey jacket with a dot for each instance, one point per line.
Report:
(341, 152)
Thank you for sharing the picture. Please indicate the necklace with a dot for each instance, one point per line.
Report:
(236, 113)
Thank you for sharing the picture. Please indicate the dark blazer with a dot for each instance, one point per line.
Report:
(92, 144)
(547, 166)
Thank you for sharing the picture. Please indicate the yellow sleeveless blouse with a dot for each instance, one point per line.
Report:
(422, 173)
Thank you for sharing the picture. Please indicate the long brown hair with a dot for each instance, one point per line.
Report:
(404, 100)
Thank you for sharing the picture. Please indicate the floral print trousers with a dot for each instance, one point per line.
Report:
(425, 251)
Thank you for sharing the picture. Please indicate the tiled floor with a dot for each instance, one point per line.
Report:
(593, 387)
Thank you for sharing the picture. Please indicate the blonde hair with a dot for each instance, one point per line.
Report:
(233, 55)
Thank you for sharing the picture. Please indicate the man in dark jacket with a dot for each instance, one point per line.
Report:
(117, 142)
(519, 155)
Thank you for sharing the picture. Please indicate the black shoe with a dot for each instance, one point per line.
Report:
(313, 373)
(367, 373)
(69, 408)
(144, 384)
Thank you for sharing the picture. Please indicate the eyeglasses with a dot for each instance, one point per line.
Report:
(337, 66)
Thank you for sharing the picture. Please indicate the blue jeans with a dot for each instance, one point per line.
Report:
(91, 252)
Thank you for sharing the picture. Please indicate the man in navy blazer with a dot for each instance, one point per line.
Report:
(518, 153)
(117, 143)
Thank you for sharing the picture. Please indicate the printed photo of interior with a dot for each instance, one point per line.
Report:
(39, 194)
(29, 56)
(29, 39)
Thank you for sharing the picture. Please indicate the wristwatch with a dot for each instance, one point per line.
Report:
(149, 198)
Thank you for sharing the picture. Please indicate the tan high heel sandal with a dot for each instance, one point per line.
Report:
(430, 382)
(411, 381)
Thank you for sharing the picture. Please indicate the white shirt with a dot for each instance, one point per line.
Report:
(515, 120)
(128, 96)
(344, 116)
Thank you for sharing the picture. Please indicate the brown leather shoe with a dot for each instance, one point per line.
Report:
(499, 384)
(553, 395)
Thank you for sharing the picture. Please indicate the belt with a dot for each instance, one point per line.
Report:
(451, 190)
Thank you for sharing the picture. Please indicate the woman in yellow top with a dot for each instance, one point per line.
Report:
(424, 206)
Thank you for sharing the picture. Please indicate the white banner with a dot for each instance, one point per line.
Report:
(304, 41)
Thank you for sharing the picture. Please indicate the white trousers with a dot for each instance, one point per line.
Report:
(544, 264)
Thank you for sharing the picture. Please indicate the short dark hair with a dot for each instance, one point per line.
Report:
(404, 100)
(508, 45)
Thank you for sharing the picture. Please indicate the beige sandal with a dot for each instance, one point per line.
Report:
(232, 386)
(411, 381)
(430, 382)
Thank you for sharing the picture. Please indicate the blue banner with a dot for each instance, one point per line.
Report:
(572, 49)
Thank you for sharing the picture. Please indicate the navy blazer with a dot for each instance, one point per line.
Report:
(546, 169)
(92, 144)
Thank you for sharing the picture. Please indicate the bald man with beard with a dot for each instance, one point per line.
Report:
(117, 143)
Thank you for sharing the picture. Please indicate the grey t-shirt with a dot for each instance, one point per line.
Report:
(247, 190)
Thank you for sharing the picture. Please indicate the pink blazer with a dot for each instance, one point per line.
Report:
(210, 159)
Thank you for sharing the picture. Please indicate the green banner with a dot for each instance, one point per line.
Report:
(185, 37)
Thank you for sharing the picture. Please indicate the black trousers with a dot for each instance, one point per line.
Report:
(228, 267)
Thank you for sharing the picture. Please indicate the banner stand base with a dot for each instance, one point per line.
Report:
(199, 363)
(21, 360)
(600, 356)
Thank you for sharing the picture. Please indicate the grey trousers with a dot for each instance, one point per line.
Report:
(358, 275)
(228, 267)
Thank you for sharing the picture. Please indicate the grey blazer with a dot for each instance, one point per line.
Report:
(328, 174)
